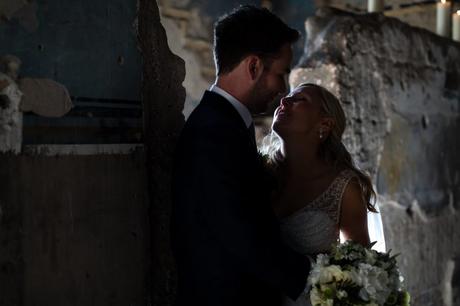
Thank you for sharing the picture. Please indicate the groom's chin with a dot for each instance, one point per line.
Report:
(258, 109)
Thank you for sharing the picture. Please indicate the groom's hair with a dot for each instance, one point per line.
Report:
(249, 30)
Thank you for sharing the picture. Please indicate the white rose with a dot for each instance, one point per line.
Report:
(315, 297)
(328, 274)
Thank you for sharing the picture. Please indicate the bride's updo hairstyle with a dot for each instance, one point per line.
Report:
(332, 148)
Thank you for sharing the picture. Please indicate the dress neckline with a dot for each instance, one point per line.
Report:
(321, 195)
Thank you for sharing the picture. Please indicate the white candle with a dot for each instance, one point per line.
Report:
(456, 26)
(443, 18)
(375, 6)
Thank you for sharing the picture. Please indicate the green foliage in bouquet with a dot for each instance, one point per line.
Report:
(354, 275)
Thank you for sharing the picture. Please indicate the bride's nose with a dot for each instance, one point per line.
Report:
(285, 101)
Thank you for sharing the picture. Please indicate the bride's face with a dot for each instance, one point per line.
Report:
(299, 113)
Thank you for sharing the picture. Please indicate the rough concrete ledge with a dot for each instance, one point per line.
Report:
(82, 149)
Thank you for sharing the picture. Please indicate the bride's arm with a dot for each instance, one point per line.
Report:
(353, 215)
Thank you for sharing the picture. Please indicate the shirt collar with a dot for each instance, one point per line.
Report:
(240, 107)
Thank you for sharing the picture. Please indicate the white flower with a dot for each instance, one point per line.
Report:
(322, 260)
(330, 273)
(352, 276)
(371, 256)
(354, 273)
(375, 283)
(313, 278)
(315, 297)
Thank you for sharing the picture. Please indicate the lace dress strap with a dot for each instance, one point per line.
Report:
(330, 201)
(340, 185)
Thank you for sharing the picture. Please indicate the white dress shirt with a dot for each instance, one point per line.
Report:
(240, 107)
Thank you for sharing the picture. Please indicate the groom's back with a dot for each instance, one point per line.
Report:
(209, 273)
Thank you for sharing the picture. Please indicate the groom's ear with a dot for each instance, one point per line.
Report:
(254, 67)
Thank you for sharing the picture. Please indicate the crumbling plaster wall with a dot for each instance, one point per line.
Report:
(89, 46)
(74, 221)
(163, 101)
(400, 88)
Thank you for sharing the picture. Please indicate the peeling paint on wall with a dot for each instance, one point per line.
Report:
(44, 97)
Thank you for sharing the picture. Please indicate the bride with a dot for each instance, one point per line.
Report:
(321, 194)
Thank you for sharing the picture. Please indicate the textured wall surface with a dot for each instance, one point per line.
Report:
(163, 100)
(10, 115)
(400, 88)
(93, 229)
(73, 230)
(90, 49)
(89, 46)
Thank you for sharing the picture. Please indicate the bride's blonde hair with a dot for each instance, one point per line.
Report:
(332, 148)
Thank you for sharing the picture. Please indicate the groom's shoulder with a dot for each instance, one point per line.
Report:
(213, 111)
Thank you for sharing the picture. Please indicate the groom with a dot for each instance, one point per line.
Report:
(225, 237)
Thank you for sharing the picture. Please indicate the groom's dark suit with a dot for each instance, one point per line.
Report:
(225, 236)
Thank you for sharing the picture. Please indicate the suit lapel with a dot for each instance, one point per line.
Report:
(212, 99)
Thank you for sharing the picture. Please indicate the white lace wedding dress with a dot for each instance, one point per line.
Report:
(314, 228)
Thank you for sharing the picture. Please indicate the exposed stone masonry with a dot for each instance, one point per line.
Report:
(400, 89)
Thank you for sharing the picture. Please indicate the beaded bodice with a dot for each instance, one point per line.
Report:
(315, 227)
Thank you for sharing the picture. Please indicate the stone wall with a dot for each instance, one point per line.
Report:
(400, 89)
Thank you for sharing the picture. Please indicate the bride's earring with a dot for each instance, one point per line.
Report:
(320, 133)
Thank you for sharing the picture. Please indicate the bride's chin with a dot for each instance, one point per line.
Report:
(279, 129)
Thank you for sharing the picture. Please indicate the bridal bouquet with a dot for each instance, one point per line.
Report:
(354, 275)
